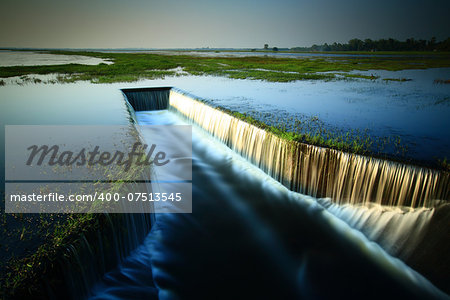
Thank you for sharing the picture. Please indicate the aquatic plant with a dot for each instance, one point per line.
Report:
(397, 79)
(441, 81)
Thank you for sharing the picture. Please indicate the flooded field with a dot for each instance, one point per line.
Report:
(407, 109)
(407, 119)
(234, 53)
(413, 112)
(22, 58)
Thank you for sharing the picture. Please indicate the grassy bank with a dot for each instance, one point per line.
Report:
(130, 67)
(347, 142)
(362, 143)
(42, 252)
(79, 245)
(23, 274)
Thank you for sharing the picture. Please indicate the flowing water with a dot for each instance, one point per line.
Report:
(247, 231)
(251, 236)
(245, 226)
(316, 171)
(412, 113)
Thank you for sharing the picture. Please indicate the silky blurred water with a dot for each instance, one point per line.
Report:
(250, 231)
(415, 111)
(250, 236)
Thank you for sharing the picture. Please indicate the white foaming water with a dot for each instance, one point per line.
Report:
(245, 220)
(398, 230)
(317, 171)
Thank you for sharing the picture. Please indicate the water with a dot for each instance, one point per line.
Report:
(38, 104)
(374, 196)
(316, 171)
(413, 112)
(398, 230)
(95, 252)
(249, 235)
(263, 234)
(219, 53)
(61, 104)
(28, 58)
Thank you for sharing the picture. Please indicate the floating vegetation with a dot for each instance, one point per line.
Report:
(441, 81)
(445, 100)
(397, 79)
(371, 76)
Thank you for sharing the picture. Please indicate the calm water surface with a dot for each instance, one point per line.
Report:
(28, 58)
(415, 111)
(234, 223)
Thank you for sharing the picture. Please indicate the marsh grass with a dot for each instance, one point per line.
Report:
(313, 131)
(34, 245)
(50, 237)
(129, 67)
(397, 79)
(361, 76)
(442, 81)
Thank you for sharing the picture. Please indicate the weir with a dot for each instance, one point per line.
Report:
(96, 253)
(148, 98)
(307, 169)
(392, 203)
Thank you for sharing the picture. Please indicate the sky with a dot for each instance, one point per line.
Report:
(215, 24)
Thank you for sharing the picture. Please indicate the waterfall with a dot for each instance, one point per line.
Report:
(397, 229)
(72, 271)
(96, 252)
(147, 98)
(317, 171)
(401, 207)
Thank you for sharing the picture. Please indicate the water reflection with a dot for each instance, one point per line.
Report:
(28, 58)
(413, 112)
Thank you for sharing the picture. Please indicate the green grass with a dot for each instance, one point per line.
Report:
(30, 276)
(445, 164)
(371, 77)
(312, 131)
(49, 237)
(130, 67)
(57, 232)
(348, 142)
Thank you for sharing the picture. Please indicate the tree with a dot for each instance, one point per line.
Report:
(355, 44)
(266, 46)
(274, 49)
(369, 45)
(389, 44)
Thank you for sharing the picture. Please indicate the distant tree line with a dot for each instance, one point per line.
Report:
(382, 45)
